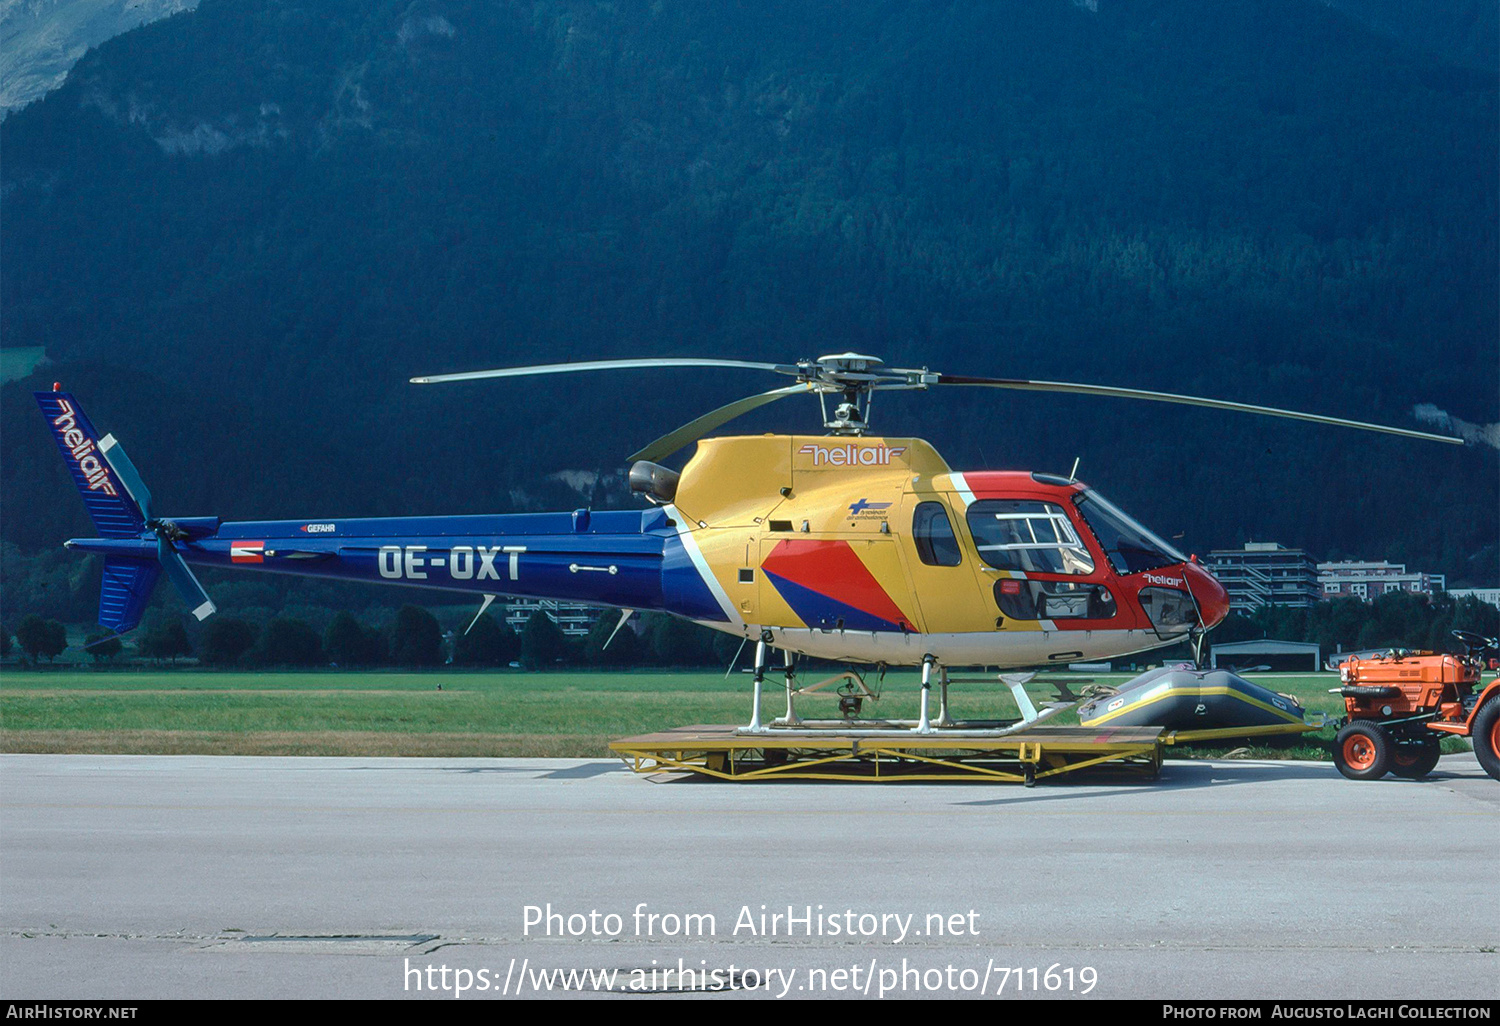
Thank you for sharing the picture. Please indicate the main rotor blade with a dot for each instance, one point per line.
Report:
(666, 445)
(1186, 400)
(183, 580)
(593, 365)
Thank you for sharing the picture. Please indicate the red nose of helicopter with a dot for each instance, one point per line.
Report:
(1212, 599)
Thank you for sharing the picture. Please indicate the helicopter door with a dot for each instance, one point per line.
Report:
(1041, 569)
(941, 578)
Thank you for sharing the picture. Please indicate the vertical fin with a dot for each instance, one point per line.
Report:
(114, 512)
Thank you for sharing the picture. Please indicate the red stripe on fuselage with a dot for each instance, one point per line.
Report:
(833, 569)
(1017, 484)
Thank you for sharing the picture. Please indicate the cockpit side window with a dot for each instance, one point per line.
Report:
(932, 533)
(1130, 547)
(1034, 537)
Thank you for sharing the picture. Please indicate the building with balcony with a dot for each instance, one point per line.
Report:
(1369, 580)
(1266, 574)
(575, 620)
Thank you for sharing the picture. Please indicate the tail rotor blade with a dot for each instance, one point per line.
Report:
(171, 560)
(183, 580)
(114, 454)
(1024, 385)
(667, 444)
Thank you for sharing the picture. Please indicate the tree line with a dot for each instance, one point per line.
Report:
(1393, 620)
(415, 639)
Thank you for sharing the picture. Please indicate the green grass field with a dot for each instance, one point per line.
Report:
(517, 714)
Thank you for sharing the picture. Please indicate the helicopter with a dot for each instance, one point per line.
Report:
(845, 545)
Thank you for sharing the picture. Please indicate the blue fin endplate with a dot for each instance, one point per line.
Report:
(125, 591)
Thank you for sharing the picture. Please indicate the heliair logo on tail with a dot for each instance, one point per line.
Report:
(82, 449)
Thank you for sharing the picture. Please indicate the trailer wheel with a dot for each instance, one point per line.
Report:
(1415, 761)
(1486, 735)
(1362, 751)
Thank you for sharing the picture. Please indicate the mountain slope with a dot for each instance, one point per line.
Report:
(41, 39)
(275, 213)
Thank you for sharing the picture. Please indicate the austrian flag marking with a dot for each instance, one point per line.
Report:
(247, 552)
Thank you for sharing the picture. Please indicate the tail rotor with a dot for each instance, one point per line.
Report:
(167, 533)
(119, 503)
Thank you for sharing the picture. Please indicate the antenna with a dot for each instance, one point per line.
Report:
(1073, 474)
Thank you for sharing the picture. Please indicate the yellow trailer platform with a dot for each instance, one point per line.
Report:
(1021, 756)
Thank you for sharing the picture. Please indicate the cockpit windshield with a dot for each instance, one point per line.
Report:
(1130, 547)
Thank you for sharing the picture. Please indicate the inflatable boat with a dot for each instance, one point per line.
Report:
(1182, 698)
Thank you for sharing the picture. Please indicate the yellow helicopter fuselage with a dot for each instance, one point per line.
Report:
(873, 550)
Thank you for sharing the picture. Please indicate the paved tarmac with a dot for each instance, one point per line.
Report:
(176, 876)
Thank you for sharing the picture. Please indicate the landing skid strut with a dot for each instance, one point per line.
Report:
(852, 691)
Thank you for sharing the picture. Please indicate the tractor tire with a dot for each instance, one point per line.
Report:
(1486, 737)
(1362, 751)
(1415, 761)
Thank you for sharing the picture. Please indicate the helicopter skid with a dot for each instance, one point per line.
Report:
(1008, 650)
(852, 686)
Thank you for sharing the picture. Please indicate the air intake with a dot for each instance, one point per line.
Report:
(654, 481)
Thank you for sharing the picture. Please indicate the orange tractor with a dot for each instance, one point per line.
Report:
(1401, 704)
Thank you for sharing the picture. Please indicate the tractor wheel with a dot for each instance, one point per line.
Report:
(1415, 761)
(1362, 751)
(1486, 737)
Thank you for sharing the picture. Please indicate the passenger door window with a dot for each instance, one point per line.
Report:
(932, 533)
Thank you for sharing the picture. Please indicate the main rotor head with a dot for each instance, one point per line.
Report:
(855, 377)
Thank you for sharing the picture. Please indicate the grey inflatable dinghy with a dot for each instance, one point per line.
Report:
(1182, 698)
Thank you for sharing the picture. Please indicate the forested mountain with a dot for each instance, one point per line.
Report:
(41, 39)
(239, 231)
(1461, 32)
